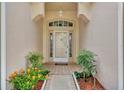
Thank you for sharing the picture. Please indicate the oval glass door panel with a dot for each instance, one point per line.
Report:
(61, 45)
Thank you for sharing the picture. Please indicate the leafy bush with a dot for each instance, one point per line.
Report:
(44, 72)
(86, 60)
(77, 74)
(35, 59)
(26, 80)
(21, 82)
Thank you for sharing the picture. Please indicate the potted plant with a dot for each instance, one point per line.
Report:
(21, 80)
(86, 60)
(35, 59)
(30, 79)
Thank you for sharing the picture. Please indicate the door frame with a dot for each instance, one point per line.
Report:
(60, 59)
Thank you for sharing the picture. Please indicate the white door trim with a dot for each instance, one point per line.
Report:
(60, 59)
(120, 47)
(3, 46)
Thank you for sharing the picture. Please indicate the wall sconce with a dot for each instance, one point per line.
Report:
(60, 13)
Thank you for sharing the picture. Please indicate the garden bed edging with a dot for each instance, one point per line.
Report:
(76, 83)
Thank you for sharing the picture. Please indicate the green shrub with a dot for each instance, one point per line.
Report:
(27, 80)
(86, 60)
(35, 59)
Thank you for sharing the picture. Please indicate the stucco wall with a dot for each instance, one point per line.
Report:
(22, 36)
(100, 36)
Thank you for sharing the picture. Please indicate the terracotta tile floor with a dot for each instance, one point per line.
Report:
(61, 69)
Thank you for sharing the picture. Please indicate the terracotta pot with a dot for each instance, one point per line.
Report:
(39, 85)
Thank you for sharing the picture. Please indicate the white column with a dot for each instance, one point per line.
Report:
(3, 46)
(37, 9)
(120, 46)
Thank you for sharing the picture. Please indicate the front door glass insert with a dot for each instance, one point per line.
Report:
(61, 44)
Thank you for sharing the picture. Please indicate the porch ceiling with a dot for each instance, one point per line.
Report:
(61, 6)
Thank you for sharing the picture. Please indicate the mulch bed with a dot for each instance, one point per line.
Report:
(89, 85)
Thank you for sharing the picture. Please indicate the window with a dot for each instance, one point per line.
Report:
(51, 24)
(51, 44)
(70, 44)
(61, 23)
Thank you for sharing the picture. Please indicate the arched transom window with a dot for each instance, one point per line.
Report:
(60, 23)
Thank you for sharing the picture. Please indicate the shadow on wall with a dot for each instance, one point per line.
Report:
(98, 65)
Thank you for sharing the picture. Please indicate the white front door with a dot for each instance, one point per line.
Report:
(60, 46)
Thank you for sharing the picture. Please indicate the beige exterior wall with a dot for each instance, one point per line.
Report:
(22, 36)
(100, 36)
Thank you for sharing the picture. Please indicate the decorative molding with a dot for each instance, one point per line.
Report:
(37, 18)
(85, 18)
(84, 11)
(37, 10)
